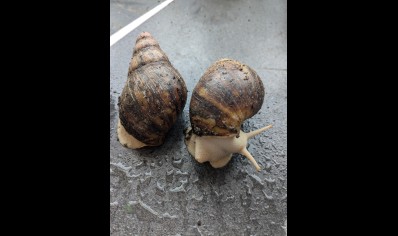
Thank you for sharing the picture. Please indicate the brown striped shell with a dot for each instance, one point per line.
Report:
(154, 94)
(228, 93)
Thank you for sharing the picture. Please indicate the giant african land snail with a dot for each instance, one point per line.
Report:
(153, 97)
(226, 95)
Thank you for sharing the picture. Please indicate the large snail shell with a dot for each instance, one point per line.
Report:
(227, 94)
(154, 94)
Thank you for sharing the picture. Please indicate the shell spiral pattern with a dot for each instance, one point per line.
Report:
(154, 94)
(227, 94)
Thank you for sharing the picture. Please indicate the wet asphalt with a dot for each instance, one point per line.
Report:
(162, 190)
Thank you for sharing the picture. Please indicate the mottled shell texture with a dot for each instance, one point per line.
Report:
(154, 94)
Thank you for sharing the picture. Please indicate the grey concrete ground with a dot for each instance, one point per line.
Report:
(123, 12)
(163, 191)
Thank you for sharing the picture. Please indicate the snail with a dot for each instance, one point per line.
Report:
(226, 95)
(152, 98)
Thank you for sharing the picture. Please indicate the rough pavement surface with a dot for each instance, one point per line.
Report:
(162, 190)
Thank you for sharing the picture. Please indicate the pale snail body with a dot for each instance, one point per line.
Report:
(225, 96)
(153, 97)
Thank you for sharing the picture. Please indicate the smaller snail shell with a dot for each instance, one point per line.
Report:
(227, 94)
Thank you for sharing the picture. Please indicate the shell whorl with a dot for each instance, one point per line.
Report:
(227, 94)
(154, 94)
(146, 51)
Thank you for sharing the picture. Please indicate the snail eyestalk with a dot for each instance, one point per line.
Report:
(258, 131)
(249, 156)
(218, 150)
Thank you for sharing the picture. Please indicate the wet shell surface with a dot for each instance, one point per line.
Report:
(152, 98)
(226, 95)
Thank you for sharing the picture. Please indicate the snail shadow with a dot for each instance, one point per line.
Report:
(155, 157)
(172, 142)
(208, 175)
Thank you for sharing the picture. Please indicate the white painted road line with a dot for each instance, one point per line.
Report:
(130, 27)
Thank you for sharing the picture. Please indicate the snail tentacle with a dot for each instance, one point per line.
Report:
(258, 131)
(249, 156)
